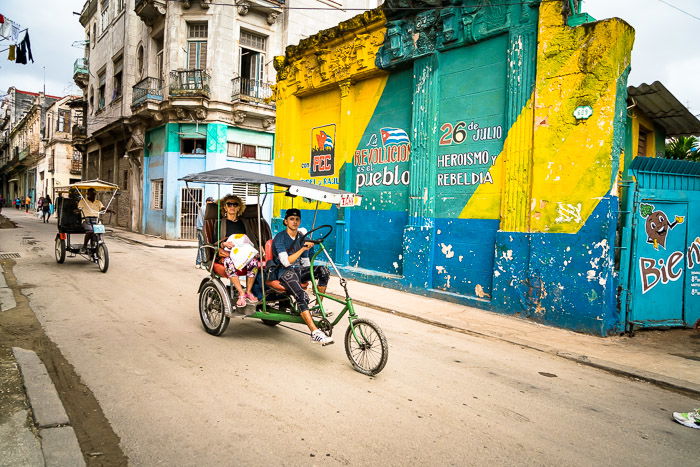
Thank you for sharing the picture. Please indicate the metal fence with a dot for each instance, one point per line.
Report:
(189, 83)
(147, 89)
(251, 89)
(190, 205)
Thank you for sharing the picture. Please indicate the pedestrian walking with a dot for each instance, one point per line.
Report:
(46, 209)
(17, 203)
(200, 236)
(27, 203)
(2, 203)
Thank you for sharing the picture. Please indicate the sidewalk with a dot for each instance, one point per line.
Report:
(668, 358)
(35, 430)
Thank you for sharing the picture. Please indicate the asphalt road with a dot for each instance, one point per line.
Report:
(267, 396)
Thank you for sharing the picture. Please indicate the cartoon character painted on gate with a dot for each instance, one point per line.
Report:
(658, 225)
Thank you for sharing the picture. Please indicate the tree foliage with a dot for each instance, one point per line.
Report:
(683, 147)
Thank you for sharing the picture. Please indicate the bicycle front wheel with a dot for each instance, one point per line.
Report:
(366, 347)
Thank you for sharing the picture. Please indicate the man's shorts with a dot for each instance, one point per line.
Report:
(88, 223)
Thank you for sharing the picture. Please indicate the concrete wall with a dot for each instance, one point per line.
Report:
(458, 129)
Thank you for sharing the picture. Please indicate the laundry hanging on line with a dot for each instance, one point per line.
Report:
(11, 54)
(24, 51)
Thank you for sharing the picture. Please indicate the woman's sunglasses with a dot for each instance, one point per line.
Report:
(232, 204)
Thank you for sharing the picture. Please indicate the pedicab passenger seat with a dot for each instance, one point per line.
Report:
(212, 238)
(70, 219)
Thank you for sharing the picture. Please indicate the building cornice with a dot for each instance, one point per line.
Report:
(332, 56)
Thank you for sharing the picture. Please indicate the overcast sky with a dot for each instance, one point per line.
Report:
(666, 46)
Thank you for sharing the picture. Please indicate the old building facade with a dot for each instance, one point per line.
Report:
(22, 143)
(178, 87)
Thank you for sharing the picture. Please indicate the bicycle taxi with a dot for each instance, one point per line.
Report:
(70, 221)
(365, 343)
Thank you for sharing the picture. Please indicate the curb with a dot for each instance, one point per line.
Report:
(59, 445)
(141, 242)
(665, 382)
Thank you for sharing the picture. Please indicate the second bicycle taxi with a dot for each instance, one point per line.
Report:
(71, 221)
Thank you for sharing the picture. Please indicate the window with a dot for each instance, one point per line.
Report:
(101, 91)
(120, 5)
(94, 34)
(104, 18)
(193, 146)
(253, 41)
(249, 193)
(159, 58)
(252, 63)
(91, 96)
(196, 46)
(49, 125)
(157, 194)
(117, 82)
(139, 60)
(642, 141)
(249, 151)
(63, 121)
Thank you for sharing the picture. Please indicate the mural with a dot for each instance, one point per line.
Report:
(457, 127)
(323, 152)
(657, 225)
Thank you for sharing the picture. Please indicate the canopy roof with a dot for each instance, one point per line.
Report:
(664, 109)
(98, 185)
(229, 176)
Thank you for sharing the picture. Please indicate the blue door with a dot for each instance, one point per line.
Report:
(659, 268)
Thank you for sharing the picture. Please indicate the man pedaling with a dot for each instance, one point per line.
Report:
(293, 267)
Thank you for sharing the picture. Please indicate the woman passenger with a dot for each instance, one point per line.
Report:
(232, 207)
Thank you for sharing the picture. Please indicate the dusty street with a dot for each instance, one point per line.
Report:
(175, 395)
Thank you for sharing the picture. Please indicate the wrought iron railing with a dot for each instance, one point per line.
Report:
(251, 89)
(189, 83)
(80, 66)
(79, 131)
(147, 89)
(76, 165)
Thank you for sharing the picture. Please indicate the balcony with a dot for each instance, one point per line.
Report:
(147, 90)
(150, 10)
(251, 90)
(78, 132)
(76, 166)
(189, 83)
(80, 72)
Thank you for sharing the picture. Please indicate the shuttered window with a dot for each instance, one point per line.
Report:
(196, 46)
(157, 194)
(248, 193)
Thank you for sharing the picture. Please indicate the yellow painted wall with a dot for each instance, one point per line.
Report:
(571, 160)
(336, 84)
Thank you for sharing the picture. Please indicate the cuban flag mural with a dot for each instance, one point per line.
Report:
(393, 136)
(324, 140)
(322, 161)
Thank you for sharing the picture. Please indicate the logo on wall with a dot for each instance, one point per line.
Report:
(322, 151)
(658, 225)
